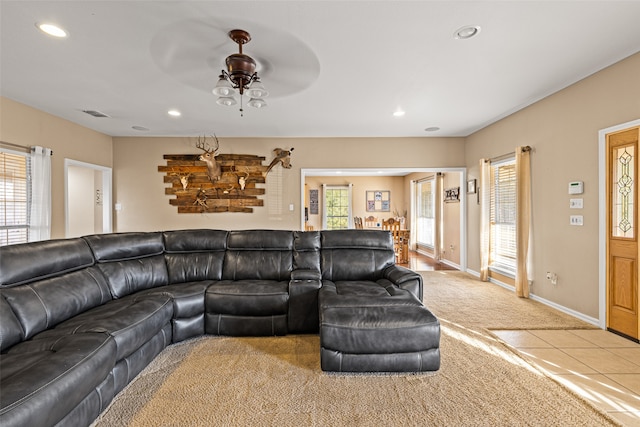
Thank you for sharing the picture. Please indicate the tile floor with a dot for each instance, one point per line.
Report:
(600, 366)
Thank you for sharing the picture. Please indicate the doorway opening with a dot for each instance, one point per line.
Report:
(369, 180)
(87, 198)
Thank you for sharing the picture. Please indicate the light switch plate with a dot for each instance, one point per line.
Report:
(575, 203)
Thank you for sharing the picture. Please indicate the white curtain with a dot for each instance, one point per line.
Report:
(437, 232)
(485, 213)
(40, 215)
(523, 221)
(413, 239)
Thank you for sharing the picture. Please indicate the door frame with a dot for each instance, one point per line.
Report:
(107, 220)
(602, 213)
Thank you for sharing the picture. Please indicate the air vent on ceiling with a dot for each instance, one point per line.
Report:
(95, 113)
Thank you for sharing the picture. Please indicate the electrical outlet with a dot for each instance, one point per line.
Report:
(552, 277)
(576, 220)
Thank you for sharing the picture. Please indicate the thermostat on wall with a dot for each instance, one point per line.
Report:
(576, 187)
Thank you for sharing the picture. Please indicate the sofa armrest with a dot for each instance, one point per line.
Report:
(303, 305)
(404, 279)
(305, 274)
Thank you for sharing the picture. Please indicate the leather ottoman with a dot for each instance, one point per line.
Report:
(385, 338)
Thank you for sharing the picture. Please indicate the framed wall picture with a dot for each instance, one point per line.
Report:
(471, 186)
(452, 194)
(313, 202)
(378, 201)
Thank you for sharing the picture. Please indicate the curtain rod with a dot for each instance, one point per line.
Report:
(10, 145)
(523, 149)
(25, 148)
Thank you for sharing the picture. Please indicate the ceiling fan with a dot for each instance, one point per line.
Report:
(241, 76)
(194, 51)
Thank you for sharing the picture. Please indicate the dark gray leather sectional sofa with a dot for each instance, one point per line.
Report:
(81, 317)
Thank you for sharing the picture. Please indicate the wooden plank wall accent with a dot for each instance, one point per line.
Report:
(225, 195)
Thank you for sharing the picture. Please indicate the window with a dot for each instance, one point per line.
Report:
(14, 197)
(337, 207)
(425, 232)
(502, 245)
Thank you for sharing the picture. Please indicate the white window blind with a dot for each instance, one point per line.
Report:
(503, 217)
(14, 197)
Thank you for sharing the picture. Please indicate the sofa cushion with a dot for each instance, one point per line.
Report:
(131, 321)
(188, 298)
(306, 250)
(43, 304)
(248, 297)
(43, 380)
(10, 328)
(258, 255)
(363, 294)
(131, 262)
(125, 246)
(194, 254)
(130, 276)
(34, 261)
(379, 330)
(356, 254)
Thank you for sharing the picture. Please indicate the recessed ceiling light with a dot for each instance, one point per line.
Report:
(52, 30)
(140, 128)
(174, 113)
(398, 113)
(466, 32)
(432, 129)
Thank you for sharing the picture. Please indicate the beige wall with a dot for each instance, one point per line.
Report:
(563, 131)
(139, 186)
(23, 125)
(361, 185)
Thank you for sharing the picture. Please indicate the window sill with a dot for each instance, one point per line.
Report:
(503, 271)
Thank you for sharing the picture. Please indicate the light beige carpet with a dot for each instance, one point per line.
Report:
(224, 381)
(461, 298)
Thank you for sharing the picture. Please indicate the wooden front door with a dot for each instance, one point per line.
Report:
(622, 232)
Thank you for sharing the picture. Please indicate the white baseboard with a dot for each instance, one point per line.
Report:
(442, 261)
(591, 320)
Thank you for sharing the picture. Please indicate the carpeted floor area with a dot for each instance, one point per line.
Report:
(225, 381)
(461, 298)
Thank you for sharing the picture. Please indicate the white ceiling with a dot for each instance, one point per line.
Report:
(334, 68)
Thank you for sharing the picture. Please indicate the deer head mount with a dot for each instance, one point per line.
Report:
(281, 156)
(184, 178)
(214, 170)
(242, 180)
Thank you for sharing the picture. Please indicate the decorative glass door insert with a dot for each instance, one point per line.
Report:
(623, 220)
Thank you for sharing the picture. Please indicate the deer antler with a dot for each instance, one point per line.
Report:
(202, 144)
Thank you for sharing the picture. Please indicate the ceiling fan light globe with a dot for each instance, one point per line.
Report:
(257, 90)
(226, 101)
(223, 88)
(257, 103)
